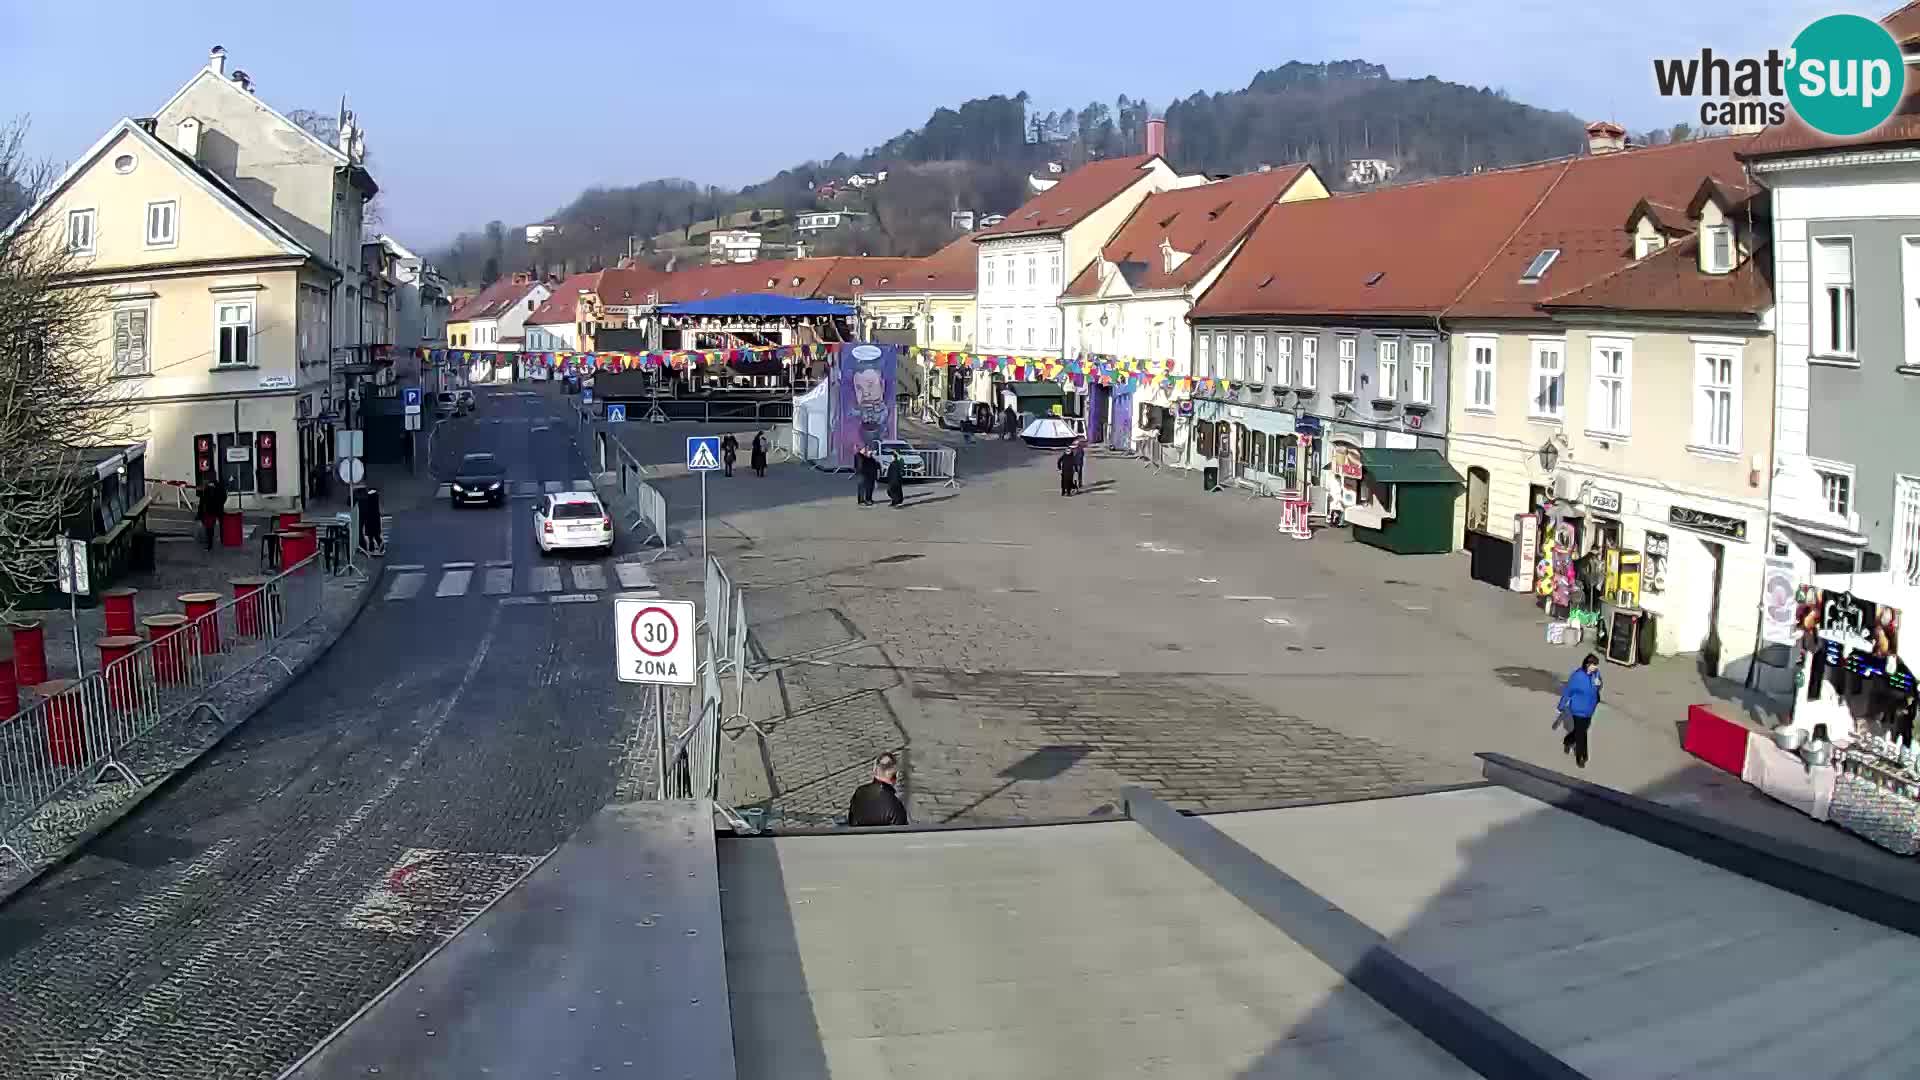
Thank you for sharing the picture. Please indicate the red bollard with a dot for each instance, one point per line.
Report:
(30, 653)
(206, 624)
(296, 545)
(9, 689)
(118, 607)
(118, 673)
(65, 743)
(169, 656)
(231, 529)
(249, 606)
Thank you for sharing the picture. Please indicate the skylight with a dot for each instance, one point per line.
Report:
(1267, 281)
(1374, 278)
(1537, 269)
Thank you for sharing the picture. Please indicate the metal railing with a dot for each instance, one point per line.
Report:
(55, 751)
(690, 762)
(639, 502)
(174, 494)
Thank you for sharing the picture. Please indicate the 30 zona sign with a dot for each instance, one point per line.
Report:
(653, 641)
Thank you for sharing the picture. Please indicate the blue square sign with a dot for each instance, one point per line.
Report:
(703, 453)
(616, 414)
(586, 395)
(410, 396)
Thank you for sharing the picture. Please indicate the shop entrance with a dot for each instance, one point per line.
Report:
(1479, 483)
(1710, 645)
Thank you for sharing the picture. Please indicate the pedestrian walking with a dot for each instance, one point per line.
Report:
(759, 454)
(876, 802)
(897, 480)
(966, 427)
(729, 450)
(1578, 700)
(1065, 465)
(868, 467)
(1009, 423)
(1079, 464)
(213, 506)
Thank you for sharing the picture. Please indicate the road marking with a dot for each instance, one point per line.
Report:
(1416, 607)
(499, 581)
(1208, 580)
(574, 598)
(553, 486)
(443, 491)
(406, 586)
(456, 566)
(632, 575)
(545, 579)
(499, 562)
(1274, 620)
(454, 583)
(923, 588)
(539, 427)
(526, 487)
(1246, 598)
(590, 577)
(518, 601)
(408, 566)
(583, 485)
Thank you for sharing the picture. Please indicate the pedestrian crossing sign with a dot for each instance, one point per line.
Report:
(703, 452)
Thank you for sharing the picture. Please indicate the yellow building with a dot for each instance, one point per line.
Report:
(212, 315)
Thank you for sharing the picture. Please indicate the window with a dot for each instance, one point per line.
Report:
(1239, 357)
(1029, 330)
(124, 164)
(1720, 249)
(1716, 409)
(1203, 363)
(1537, 269)
(1033, 271)
(1548, 381)
(130, 340)
(80, 232)
(1645, 244)
(1349, 351)
(162, 217)
(1906, 529)
(1608, 401)
(1283, 360)
(233, 320)
(1836, 492)
(1833, 296)
(1259, 373)
(1423, 372)
(1389, 364)
(1221, 357)
(1053, 334)
(990, 272)
(958, 333)
(1480, 370)
(986, 335)
(1053, 268)
(1309, 362)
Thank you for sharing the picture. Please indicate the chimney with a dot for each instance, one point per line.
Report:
(217, 60)
(243, 80)
(1156, 137)
(189, 143)
(1605, 137)
(521, 277)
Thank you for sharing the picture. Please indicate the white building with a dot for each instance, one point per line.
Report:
(826, 221)
(733, 246)
(536, 232)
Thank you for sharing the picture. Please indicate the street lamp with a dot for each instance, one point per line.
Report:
(1549, 455)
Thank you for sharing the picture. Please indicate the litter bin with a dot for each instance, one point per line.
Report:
(1210, 478)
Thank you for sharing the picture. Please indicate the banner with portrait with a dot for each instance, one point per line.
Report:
(865, 383)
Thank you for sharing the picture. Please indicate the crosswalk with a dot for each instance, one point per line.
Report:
(531, 489)
(559, 583)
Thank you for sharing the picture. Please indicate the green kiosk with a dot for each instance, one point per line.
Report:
(1406, 501)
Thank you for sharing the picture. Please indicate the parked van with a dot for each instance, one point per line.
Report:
(956, 411)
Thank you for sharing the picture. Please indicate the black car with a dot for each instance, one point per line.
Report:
(481, 479)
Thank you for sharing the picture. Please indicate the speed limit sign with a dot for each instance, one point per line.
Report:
(653, 641)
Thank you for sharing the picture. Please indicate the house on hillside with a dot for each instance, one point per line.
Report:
(554, 326)
(1612, 382)
(827, 221)
(1132, 300)
(733, 246)
(496, 318)
(215, 317)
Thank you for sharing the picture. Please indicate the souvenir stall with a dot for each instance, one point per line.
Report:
(1405, 502)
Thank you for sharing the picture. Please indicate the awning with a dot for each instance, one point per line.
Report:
(765, 305)
(1400, 466)
(1024, 390)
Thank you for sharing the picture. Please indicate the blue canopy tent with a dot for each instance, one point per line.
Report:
(758, 305)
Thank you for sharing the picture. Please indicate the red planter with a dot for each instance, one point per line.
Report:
(288, 520)
(30, 653)
(230, 529)
(199, 607)
(297, 544)
(118, 674)
(169, 652)
(117, 604)
(66, 742)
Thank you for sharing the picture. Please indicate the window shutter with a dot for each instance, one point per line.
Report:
(137, 342)
(122, 343)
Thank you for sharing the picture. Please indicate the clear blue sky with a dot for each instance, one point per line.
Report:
(486, 109)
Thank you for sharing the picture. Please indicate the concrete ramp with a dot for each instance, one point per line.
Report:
(606, 961)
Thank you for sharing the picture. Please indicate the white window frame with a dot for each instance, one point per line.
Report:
(91, 220)
(1347, 348)
(1704, 394)
(1423, 372)
(991, 274)
(1203, 362)
(1601, 380)
(1260, 358)
(1844, 473)
(1386, 363)
(986, 333)
(1239, 357)
(220, 325)
(1222, 355)
(1309, 362)
(1538, 375)
(1712, 239)
(172, 236)
(126, 368)
(1487, 347)
(1905, 554)
(1053, 333)
(1033, 270)
(1823, 282)
(959, 328)
(1053, 267)
(1283, 360)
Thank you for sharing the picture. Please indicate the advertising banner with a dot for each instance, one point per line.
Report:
(865, 382)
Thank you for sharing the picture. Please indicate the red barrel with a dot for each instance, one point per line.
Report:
(9, 689)
(249, 607)
(289, 519)
(169, 654)
(66, 743)
(296, 544)
(30, 653)
(200, 607)
(118, 607)
(118, 674)
(230, 529)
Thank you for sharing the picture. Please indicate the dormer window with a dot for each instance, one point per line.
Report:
(1717, 254)
(856, 279)
(1646, 244)
(1537, 269)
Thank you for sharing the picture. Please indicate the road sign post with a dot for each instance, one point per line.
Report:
(703, 457)
(616, 414)
(73, 582)
(653, 641)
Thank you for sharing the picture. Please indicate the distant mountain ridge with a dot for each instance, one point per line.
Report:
(977, 157)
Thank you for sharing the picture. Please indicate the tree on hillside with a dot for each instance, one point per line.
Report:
(56, 400)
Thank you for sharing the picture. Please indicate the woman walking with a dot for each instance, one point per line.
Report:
(1065, 464)
(759, 458)
(729, 451)
(1578, 701)
(896, 480)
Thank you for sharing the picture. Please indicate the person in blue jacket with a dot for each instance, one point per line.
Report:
(1578, 700)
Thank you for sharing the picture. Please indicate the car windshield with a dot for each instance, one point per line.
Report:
(576, 510)
(479, 465)
(443, 396)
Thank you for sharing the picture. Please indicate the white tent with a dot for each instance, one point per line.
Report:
(1049, 433)
(810, 441)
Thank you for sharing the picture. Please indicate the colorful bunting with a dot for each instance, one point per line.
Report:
(1124, 372)
(576, 363)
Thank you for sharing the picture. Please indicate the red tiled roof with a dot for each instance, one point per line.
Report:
(1580, 216)
(1904, 23)
(954, 268)
(873, 272)
(1078, 194)
(1418, 244)
(1204, 222)
(729, 279)
(562, 306)
(627, 286)
(492, 301)
(1794, 137)
(1670, 281)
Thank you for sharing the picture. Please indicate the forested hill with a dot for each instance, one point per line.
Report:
(977, 157)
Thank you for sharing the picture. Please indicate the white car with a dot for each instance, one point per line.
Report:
(571, 520)
(888, 449)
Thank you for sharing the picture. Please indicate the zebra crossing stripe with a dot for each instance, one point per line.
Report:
(405, 586)
(454, 583)
(583, 485)
(632, 575)
(499, 581)
(554, 486)
(544, 579)
(589, 578)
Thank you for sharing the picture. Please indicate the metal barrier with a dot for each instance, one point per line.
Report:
(174, 494)
(690, 758)
(54, 751)
(936, 464)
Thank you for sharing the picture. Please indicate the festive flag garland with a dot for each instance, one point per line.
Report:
(1124, 372)
(576, 363)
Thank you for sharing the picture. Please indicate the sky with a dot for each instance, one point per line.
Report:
(483, 109)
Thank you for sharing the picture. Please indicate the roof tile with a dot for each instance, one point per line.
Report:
(1069, 202)
(1203, 222)
(1670, 281)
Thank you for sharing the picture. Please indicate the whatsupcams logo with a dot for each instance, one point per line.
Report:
(1844, 75)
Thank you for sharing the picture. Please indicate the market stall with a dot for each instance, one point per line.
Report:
(1404, 501)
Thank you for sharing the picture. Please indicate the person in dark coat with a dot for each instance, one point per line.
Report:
(759, 454)
(1065, 465)
(213, 505)
(729, 450)
(897, 480)
(966, 426)
(1009, 423)
(1579, 699)
(1079, 464)
(876, 802)
(868, 466)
